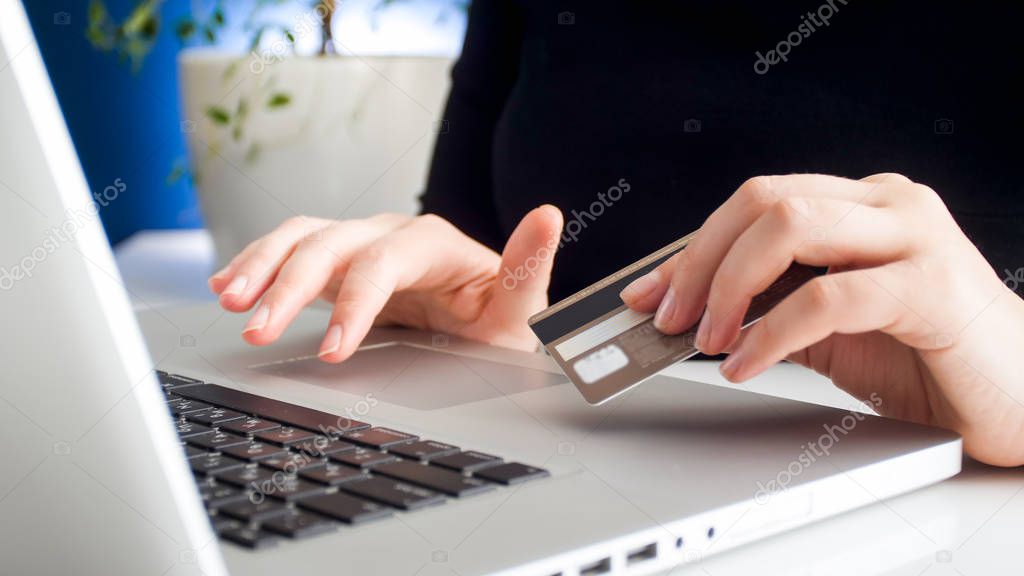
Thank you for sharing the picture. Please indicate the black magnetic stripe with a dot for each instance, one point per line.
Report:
(586, 309)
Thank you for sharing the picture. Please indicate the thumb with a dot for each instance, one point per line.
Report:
(522, 282)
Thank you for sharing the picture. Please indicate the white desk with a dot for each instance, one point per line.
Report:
(970, 525)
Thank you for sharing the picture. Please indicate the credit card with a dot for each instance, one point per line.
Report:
(605, 348)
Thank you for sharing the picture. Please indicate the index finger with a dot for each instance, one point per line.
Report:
(691, 278)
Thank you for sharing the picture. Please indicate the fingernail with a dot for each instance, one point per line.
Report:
(258, 320)
(704, 331)
(332, 341)
(218, 273)
(641, 287)
(666, 309)
(236, 286)
(731, 366)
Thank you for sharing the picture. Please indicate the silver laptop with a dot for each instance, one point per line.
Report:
(177, 449)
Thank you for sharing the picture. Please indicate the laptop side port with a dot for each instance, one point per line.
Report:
(642, 554)
(602, 566)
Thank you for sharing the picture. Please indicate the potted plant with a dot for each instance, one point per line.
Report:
(295, 124)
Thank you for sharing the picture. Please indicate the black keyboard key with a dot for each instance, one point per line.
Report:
(467, 461)
(393, 493)
(362, 458)
(182, 406)
(248, 537)
(332, 474)
(298, 524)
(322, 446)
(423, 450)
(345, 507)
(171, 381)
(285, 436)
(511, 473)
(216, 495)
(299, 416)
(216, 440)
(289, 488)
(188, 429)
(379, 438)
(213, 462)
(291, 463)
(439, 479)
(250, 478)
(221, 523)
(214, 416)
(253, 511)
(249, 425)
(193, 452)
(254, 451)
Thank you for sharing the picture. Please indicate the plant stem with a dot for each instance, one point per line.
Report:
(325, 9)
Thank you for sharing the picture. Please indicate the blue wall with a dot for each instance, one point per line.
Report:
(124, 124)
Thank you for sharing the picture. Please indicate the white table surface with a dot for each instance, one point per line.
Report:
(970, 525)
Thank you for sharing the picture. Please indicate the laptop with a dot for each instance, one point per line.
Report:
(162, 444)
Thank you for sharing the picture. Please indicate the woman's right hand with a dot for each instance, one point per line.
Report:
(420, 272)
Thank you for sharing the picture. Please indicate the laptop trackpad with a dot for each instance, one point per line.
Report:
(415, 377)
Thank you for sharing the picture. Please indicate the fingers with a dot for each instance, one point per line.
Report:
(425, 254)
(846, 303)
(244, 280)
(526, 266)
(817, 232)
(315, 260)
(645, 293)
(696, 265)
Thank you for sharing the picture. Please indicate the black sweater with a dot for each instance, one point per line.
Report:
(681, 101)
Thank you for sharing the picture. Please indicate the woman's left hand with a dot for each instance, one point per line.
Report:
(910, 310)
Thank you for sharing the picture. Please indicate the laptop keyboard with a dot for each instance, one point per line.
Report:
(267, 469)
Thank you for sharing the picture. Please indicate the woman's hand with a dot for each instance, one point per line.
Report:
(420, 272)
(910, 309)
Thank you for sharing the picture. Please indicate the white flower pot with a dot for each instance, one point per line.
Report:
(354, 140)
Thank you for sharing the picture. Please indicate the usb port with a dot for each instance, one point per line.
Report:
(602, 566)
(641, 554)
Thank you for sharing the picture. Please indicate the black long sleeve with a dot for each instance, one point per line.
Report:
(557, 103)
(460, 186)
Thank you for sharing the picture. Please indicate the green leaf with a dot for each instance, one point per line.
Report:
(291, 37)
(178, 171)
(279, 100)
(186, 29)
(209, 34)
(218, 115)
(218, 16)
